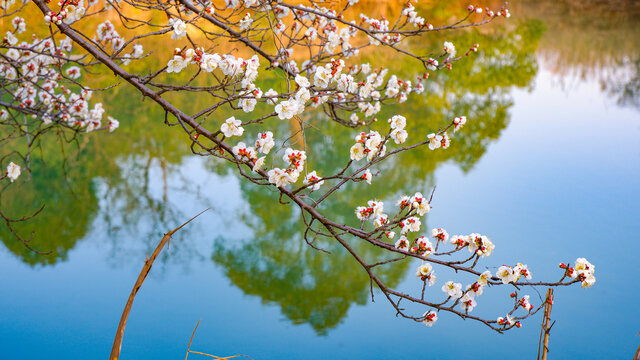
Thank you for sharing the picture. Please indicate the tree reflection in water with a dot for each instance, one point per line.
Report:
(108, 181)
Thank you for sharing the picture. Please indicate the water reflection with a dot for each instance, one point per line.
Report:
(591, 40)
(109, 182)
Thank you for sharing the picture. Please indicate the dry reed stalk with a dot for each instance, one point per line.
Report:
(117, 342)
(546, 328)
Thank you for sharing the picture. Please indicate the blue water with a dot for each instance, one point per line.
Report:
(561, 181)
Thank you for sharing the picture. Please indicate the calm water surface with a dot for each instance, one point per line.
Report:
(549, 168)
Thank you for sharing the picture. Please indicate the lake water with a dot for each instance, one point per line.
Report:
(550, 171)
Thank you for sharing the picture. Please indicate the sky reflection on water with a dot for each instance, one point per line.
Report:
(562, 181)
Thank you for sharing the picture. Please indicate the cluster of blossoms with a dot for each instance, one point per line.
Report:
(374, 209)
(356, 89)
(437, 141)
(369, 145)
(295, 105)
(282, 177)
(32, 73)
(412, 16)
(228, 64)
(263, 144)
(509, 274)
(421, 245)
(480, 244)
(508, 321)
(416, 202)
(490, 13)
(467, 298)
(322, 83)
(459, 122)
(398, 133)
(106, 33)
(72, 11)
(583, 271)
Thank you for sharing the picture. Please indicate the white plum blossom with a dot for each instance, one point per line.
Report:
(435, 141)
(446, 141)
(377, 206)
(583, 265)
(419, 203)
(363, 212)
(138, 51)
(381, 220)
(584, 271)
(411, 224)
(402, 243)
(311, 177)
(367, 176)
(258, 164)
(373, 207)
(424, 270)
(357, 152)
(10, 38)
(506, 274)
(179, 28)
(430, 318)
(73, 72)
(481, 245)
(232, 127)
(282, 178)
(522, 270)
(508, 320)
(399, 136)
(459, 122)
(453, 290)
(450, 49)
(244, 152)
(245, 22)
(467, 302)
(271, 95)
(265, 142)
(524, 302)
(475, 289)
(19, 24)
(112, 124)
(432, 64)
(302, 81)
(484, 278)
(287, 109)
(322, 77)
(424, 246)
(440, 234)
(176, 64)
(13, 171)
(230, 66)
(247, 104)
(296, 158)
(210, 62)
(397, 122)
